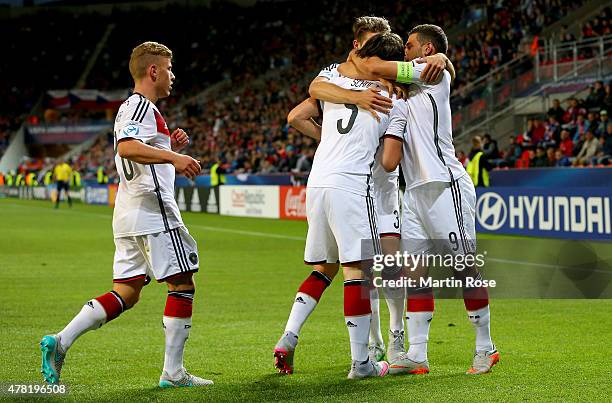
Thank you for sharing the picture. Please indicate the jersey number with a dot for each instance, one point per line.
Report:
(129, 175)
(351, 122)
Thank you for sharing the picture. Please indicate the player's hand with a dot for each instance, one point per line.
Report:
(187, 166)
(436, 64)
(179, 140)
(373, 102)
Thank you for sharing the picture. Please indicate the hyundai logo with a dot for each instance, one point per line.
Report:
(491, 211)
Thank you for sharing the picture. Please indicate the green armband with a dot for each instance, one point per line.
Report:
(404, 72)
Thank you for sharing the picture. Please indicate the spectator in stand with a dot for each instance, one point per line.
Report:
(537, 134)
(540, 160)
(607, 102)
(596, 95)
(561, 160)
(513, 152)
(602, 124)
(566, 145)
(573, 110)
(550, 157)
(489, 147)
(556, 110)
(604, 152)
(304, 163)
(588, 150)
(551, 132)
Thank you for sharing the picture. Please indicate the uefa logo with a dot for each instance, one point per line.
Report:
(491, 211)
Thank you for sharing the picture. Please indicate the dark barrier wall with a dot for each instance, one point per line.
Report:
(553, 177)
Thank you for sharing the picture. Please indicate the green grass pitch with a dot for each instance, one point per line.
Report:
(52, 262)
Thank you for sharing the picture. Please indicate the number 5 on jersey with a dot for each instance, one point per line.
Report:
(351, 121)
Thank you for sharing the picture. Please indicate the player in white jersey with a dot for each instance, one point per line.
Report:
(440, 200)
(341, 216)
(150, 237)
(386, 194)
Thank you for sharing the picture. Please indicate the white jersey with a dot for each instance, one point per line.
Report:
(145, 201)
(350, 138)
(429, 153)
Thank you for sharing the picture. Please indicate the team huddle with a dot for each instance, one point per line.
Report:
(386, 106)
(353, 191)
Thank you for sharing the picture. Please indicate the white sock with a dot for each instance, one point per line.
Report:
(358, 328)
(375, 333)
(177, 332)
(418, 334)
(481, 319)
(396, 302)
(302, 308)
(91, 317)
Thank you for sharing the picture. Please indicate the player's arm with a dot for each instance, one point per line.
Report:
(302, 118)
(392, 153)
(394, 136)
(375, 68)
(369, 100)
(134, 150)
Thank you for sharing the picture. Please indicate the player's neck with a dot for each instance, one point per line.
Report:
(348, 69)
(146, 92)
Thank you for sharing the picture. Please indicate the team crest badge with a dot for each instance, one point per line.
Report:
(193, 258)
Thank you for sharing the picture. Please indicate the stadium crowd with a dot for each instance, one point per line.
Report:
(578, 135)
(244, 127)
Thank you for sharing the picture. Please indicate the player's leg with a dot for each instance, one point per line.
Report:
(395, 298)
(173, 258)
(58, 185)
(420, 302)
(353, 222)
(389, 226)
(476, 299)
(308, 295)
(129, 269)
(321, 252)
(67, 190)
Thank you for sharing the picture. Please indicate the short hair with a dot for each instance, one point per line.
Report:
(366, 24)
(144, 55)
(431, 33)
(387, 46)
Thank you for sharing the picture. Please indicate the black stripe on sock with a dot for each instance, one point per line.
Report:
(321, 276)
(362, 282)
(121, 301)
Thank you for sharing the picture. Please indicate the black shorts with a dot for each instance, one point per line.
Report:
(62, 185)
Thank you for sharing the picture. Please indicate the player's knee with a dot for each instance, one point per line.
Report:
(129, 292)
(353, 272)
(329, 269)
(181, 282)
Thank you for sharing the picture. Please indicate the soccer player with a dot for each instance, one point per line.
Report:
(150, 237)
(62, 173)
(341, 213)
(385, 188)
(440, 200)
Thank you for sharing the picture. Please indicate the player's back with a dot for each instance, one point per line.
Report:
(429, 153)
(350, 137)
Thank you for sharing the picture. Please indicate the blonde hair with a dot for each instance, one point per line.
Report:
(365, 24)
(144, 55)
